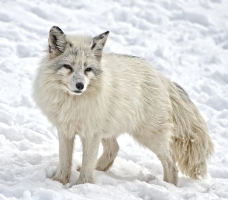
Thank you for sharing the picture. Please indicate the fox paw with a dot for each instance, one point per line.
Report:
(85, 178)
(61, 176)
(104, 166)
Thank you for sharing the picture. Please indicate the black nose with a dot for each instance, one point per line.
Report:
(80, 86)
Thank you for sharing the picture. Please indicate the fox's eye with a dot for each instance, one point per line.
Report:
(68, 67)
(88, 69)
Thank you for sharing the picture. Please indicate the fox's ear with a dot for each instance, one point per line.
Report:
(98, 45)
(57, 41)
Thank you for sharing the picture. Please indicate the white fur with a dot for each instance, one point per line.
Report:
(128, 96)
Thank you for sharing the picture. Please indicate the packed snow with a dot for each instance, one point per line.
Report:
(185, 40)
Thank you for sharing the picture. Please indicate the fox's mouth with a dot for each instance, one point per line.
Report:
(77, 92)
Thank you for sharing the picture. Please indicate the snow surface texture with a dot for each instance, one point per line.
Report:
(186, 40)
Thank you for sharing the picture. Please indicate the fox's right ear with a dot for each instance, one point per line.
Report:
(98, 45)
(57, 41)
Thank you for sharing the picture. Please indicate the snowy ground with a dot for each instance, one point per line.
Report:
(185, 40)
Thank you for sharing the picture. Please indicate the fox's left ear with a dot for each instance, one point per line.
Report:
(98, 45)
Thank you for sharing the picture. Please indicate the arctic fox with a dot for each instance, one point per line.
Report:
(99, 96)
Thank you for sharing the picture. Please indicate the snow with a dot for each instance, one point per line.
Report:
(186, 40)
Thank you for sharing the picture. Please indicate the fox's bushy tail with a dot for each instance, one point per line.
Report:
(191, 145)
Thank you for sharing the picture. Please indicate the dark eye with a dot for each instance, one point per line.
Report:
(68, 67)
(88, 69)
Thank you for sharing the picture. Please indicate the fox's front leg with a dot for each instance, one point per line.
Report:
(63, 171)
(90, 151)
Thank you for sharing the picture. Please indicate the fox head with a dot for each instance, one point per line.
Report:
(75, 59)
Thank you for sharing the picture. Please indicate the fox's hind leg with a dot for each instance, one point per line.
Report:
(110, 150)
(63, 171)
(169, 167)
(160, 145)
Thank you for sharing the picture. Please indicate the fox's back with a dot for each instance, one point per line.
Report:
(134, 91)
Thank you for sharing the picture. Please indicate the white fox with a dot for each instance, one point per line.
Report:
(99, 96)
